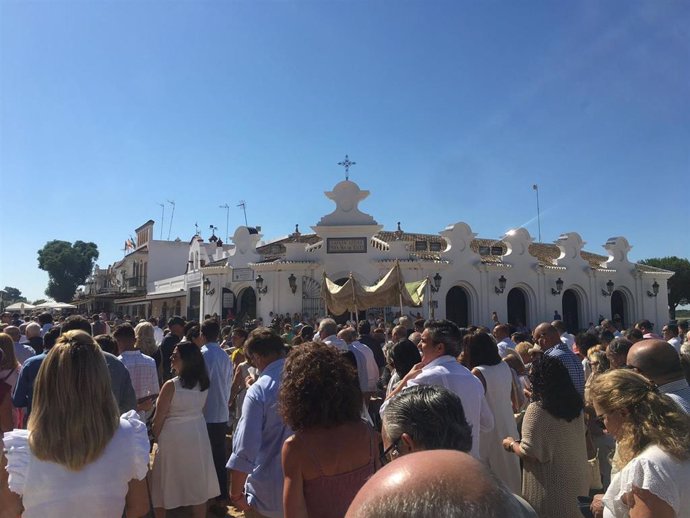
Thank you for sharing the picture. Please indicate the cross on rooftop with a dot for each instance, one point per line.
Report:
(347, 164)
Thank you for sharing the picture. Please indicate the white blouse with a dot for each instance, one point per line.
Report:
(97, 490)
(657, 472)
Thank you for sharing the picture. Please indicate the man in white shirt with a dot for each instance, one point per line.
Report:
(501, 333)
(670, 334)
(566, 337)
(439, 348)
(327, 334)
(157, 331)
(367, 370)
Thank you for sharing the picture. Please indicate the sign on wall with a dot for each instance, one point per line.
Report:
(242, 274)
(346, 245)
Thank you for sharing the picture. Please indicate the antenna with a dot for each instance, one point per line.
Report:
(171, 217)
(162, 218)
(243, 204)
(536, 189)
(227, 219)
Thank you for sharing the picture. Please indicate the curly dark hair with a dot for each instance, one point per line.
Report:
(553, 388)
(319, 388)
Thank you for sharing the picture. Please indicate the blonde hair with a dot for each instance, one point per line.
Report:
(145, 340)
(523, 348)
(74, 413)
(653, 418)
(9, 359)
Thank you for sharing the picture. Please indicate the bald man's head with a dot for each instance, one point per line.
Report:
(546, 336)
(655, 359)
(14, 333)
(432, 484)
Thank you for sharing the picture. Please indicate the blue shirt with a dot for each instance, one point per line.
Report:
(258, 442)
(219, 369)
(120, 382)
(23, 352)
(571, 362)
(24, 388)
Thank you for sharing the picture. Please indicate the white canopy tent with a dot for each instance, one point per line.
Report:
(20, 306)
(55, 305)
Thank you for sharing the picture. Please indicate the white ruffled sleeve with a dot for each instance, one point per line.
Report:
(644, 473)
(18, 458)
(139, 443)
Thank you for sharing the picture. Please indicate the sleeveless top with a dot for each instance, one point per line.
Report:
(329, 496)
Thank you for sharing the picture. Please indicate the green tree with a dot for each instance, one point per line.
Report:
(12, 295)
(38, 301)
(68, 265)
(679, 284)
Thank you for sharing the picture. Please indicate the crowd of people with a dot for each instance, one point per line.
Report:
(311, 418)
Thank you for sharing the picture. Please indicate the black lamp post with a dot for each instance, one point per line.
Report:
(292, 280)
(655, 290)
(260, 285)
(559, 287)
(609, 289)
(501, 284)
(437, 282)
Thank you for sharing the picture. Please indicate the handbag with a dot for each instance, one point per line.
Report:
(594, 472)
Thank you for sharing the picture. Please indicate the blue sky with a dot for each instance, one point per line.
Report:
(452, 110)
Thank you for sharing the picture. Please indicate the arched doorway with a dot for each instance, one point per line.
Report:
(571, 317)
(619, 307)
(247, 305)
(517, 308)
(458, 306)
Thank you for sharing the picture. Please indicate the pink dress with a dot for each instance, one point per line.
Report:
(329, 496)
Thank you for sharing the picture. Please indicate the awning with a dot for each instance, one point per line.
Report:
(132, 301)
(168, 295)
(389, 291)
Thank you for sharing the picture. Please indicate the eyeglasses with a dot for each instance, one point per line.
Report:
(392, 450)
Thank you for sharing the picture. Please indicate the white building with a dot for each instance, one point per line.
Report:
(522, 281)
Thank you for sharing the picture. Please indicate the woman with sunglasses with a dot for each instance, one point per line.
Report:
(333, 451)
(653, 448)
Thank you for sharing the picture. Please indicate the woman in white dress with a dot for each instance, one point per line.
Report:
(183, 471)
(653, 448)
(480, 354)
(78, 457)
